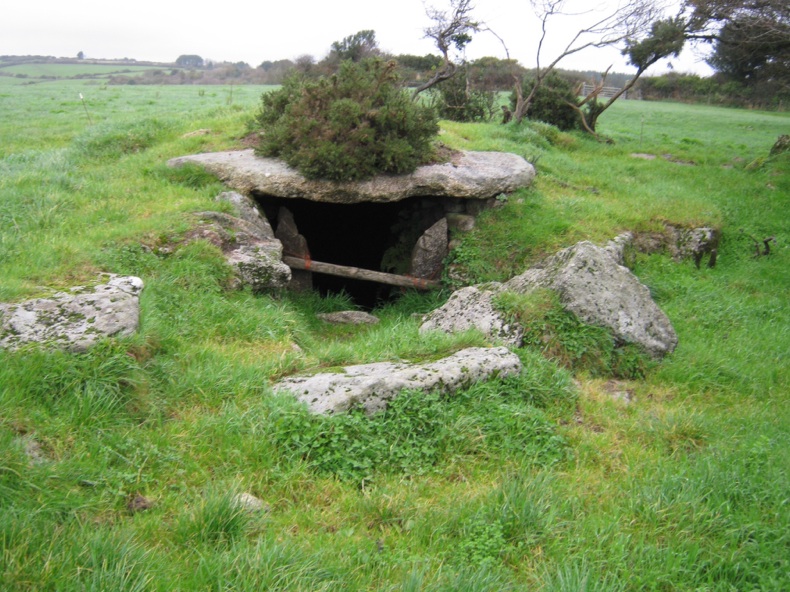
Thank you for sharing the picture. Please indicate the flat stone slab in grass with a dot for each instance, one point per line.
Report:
(470, 175)
(349, 317)
(370, 386)
(74, 320)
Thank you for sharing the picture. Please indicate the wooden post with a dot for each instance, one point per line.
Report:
(356, 273)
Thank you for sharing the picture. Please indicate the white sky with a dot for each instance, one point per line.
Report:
(256, 30)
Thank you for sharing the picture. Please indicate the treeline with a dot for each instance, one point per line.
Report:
(713, 90)
(485, 74)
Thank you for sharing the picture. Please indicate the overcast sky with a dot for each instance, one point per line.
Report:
(253, 31)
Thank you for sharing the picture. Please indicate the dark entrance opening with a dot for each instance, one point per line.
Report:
(357, 235)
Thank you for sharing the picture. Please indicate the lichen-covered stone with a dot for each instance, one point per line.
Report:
(472, 308)
(370, 386)
(249, 247)
(598, 290)
(74, 320)
(589, 282)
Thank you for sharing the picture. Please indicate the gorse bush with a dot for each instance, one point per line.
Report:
(458, 102)
(551, 102)
(349, 126)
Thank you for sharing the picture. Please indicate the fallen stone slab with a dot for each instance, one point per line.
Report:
(74, 320)
(349, 317)
(470, 175)
(370, 386)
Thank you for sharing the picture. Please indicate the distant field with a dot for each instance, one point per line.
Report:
(54, 114)
(69, 70)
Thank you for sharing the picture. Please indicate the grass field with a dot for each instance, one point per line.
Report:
(545, 482)
(70, 70)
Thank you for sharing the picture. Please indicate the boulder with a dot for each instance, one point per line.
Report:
(249, 247)
(598, 290)
(472, 308)
(589, 282)
(469, 175)
(370, 386)
(74, 320)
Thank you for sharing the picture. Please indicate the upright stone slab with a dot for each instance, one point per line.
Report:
(294, 245)
(429, 252)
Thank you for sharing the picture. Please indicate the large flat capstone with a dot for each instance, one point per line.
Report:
(469, 175)
(370, 386)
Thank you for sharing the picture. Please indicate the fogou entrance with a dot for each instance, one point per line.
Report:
(367, 238)
(370, 251)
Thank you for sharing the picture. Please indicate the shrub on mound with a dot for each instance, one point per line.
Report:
(352, 125)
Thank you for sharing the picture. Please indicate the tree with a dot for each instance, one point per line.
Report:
(355, 47)
(751, 41)
(450, 30)
(189, 61)
(80, 55)
(666, 38)
(626, 20)
(305, 64)
(553, 102)
(459, 100)
(415, 69)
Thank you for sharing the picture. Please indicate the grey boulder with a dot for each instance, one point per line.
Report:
(589, 281)
(473, 308)
(247, 241)
(600, 291)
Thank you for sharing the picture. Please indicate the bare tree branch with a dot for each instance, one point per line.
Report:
(450, 30)
(625, 21)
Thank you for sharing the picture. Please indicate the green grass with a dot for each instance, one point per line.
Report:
(544, 482)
